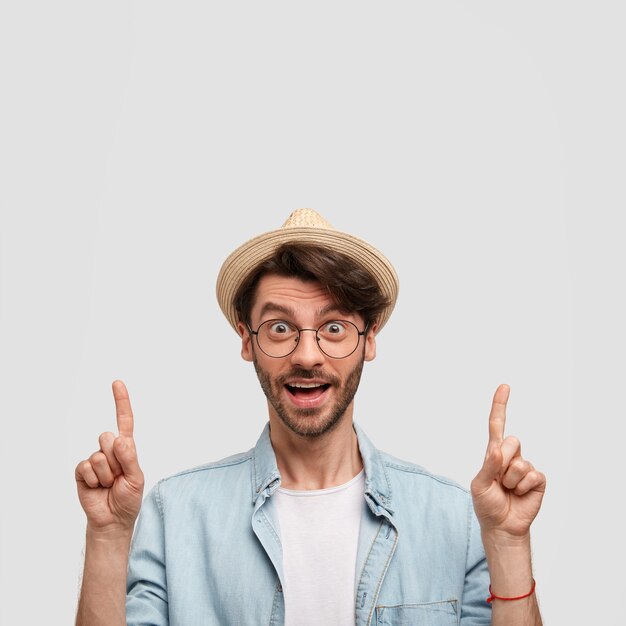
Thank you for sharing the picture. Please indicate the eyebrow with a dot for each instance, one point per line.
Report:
(281, 308)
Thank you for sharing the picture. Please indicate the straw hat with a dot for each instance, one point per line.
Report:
(308, 226)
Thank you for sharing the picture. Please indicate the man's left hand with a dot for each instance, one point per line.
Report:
(508, 490)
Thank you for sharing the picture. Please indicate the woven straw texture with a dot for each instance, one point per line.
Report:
(304, 225)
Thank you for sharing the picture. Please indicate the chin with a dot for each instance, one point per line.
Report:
(310, 427)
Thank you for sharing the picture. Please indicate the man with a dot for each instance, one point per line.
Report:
(313, 525)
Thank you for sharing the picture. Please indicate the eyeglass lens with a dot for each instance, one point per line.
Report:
(337, 339)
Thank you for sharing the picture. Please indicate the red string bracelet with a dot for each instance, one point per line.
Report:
(492, 596)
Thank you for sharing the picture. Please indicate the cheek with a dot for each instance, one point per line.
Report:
(268, 370)
(344, 374)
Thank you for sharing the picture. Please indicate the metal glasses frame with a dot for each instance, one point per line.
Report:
(361, 333)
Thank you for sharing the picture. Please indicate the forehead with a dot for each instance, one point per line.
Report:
(292, 294)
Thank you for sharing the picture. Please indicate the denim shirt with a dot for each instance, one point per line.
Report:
(207, 550)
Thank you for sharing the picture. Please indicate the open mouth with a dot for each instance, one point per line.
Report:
(307, 391)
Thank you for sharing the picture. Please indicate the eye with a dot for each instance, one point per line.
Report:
(279, 327)
(334, 329)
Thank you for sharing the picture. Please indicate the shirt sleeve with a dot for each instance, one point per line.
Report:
(146, 586)
(475, 611)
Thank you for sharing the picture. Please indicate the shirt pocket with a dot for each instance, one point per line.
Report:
(442, 613)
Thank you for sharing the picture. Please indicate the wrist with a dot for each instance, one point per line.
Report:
(109, 535)
(498, 540)
(493, 596)
(510, 564)
(505, 557)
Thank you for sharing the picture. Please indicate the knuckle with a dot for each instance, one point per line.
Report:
(90, 478)
(83, 471)
(538, 477)
(509, 483)
(105, 438)
(520, 465)
(513, 441)
(99, 460)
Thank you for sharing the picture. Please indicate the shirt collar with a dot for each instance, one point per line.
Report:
(265, 472)
(264, 468)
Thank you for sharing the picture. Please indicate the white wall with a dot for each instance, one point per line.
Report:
(479, 145)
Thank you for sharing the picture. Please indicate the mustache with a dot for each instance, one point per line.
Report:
(308, 374)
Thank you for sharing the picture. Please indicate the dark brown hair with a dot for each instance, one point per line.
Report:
(351, 287)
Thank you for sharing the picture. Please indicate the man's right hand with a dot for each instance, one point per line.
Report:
(110, 482)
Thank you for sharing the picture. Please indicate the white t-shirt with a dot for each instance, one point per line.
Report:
(320, 533)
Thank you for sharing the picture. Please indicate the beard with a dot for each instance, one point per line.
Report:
(310, 422)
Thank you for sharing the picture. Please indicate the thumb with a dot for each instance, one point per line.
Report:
(490, 470)
(125, 453)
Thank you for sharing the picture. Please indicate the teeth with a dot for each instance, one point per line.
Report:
(306, 385)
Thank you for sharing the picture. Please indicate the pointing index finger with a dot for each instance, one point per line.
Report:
(123, 410)
(497, 417)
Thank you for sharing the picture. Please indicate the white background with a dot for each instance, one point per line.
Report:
(479, 145)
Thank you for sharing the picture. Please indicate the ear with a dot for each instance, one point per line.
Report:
(370, 343)
(247, 352)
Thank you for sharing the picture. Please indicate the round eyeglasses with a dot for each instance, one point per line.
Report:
(337, 339)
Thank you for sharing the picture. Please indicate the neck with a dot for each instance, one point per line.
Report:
(316, 462)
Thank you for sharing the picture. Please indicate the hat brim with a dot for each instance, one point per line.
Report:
(242, 261)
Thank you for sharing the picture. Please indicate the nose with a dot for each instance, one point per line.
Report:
(307, 353)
